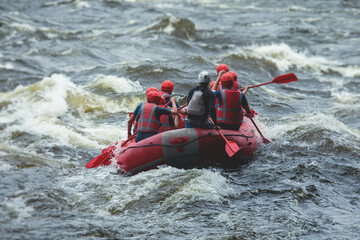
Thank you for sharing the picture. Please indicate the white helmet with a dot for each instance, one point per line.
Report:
(204, 77)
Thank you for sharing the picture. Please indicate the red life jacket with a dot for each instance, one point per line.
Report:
(220, 88)
(147, 120)
(165, 95)
(164, 120)
(230, 110)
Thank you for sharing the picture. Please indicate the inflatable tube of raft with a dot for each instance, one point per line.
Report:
(186, 148)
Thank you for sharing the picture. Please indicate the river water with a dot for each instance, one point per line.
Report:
(71, 71)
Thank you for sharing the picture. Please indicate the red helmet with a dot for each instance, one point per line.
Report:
(162, 101)
(154, 97)
(227, 80)
(151, 89)
(221, 67)
(234, 75)
(167, 86)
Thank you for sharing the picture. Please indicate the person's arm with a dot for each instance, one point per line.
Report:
(217, 80)
(182, 111)
(245, 105)
(245, 90)
(211, 106)
(164, 111)
(135, 118)
(130, 122)
(173, 103)
(177, 121)
(135, 126)
(219, 98)
(173, 112)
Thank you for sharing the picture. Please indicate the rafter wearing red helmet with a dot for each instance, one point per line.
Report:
(148, 118)
(167, 88)
(229, 113)
(235, 77)
(222, 67)
(168, 122)
(136, 111)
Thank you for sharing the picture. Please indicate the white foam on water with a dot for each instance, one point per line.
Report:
(43, 98)
(285, 58)
(7, 66)
(169, 29)
(312, 20)
(206, 186)
(82, 4)
(106, 133)
(23, 27)
(117, 84)
(122, 192)
(5, 166)
(295, 8)
(345, 97)
(17, 209)
(310, 121)
(39, 108)
(336, 82)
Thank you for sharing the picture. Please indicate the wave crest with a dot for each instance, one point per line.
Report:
(285, 58)
(178, 27)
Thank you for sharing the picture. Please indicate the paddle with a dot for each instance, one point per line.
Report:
(265, 140)
(102, 158)
(182, 106)
(286, 78)
(106, 154)
(230, 147)
(130, 138)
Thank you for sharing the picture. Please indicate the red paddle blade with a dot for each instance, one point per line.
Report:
(231, 148)
(286, 78)
(98, 160)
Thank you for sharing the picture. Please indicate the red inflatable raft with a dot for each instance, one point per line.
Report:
(185, 148)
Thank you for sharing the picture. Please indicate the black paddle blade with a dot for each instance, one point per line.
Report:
(286, 78)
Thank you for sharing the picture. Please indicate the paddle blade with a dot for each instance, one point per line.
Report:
(99, 160)
(286, 78)
(231, 148)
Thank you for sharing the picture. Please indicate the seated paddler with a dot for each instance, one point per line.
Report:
(148, 118)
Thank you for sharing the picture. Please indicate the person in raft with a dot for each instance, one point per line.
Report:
(201, 104)
(136, 111)
(225, 68)
(167, 88)
(229, 113)
(222, 67)
(149, 115)
(168, 122)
